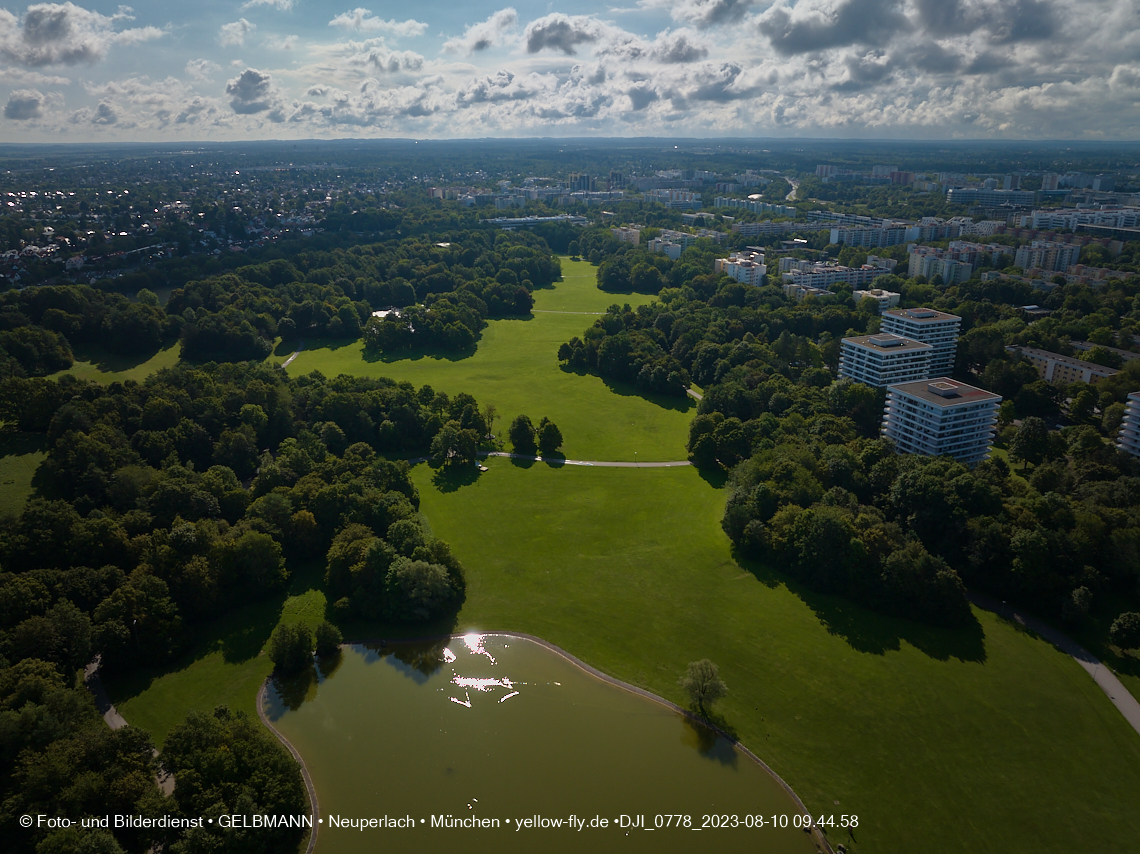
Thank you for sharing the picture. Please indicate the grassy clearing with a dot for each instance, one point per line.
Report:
(986, 739)
(20, 456)
(515, 366)
(95, 363)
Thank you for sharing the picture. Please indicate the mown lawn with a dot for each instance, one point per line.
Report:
(20, 456)
(515, 366)
(985, 739)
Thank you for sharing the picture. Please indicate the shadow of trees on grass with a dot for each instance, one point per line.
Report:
(867, 631)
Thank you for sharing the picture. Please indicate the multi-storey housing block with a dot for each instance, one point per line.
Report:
(883, 359)
(936, 328)
(941, 417)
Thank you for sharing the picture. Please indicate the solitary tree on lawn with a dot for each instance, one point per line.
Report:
(703, 682)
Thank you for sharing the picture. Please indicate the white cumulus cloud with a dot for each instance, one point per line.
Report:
(66, 34)
(233, 34)
(364, 21)
(485, 34)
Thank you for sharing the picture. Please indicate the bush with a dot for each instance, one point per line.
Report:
(291, 647)
(329, 639)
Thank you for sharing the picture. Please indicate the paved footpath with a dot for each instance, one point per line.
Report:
(296, 353)
(562, 462)
(1103, 676)
(556, 461)
(113, 718)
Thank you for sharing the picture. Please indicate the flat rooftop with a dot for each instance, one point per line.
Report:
(884, 342)
(921, 315)
(944, 392)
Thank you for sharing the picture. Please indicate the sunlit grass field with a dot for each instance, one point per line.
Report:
(515, 366)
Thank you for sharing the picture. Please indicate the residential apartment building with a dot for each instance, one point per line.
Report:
(1129, 439)
(670, 249)
(885, 299)
(745, 267)
(883, 359)
(941, 417)
(1051, 257)
(873, 237)
(988, 198)
(627, 235)
(936, 328)
(754, 205)
(1126, 355)
(1073, 218)
(765, 229)
(930, 262)
(799, 292)
(1055, 368)
(677, 199)
(815, 275)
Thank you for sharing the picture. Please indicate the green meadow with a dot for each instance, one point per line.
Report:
(515, 366)
(20, 456)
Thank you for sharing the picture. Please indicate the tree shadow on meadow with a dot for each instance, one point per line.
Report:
(714, 477)
(556, 460)
(13, 443)
(449, 479)
(419, 354)
(867, 631)
(625, 389)
(108, 362)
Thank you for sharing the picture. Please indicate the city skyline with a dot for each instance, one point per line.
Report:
(285, 69)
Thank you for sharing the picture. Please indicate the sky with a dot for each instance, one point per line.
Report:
(300, 69)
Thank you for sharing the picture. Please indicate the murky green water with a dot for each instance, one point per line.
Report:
(500, 728)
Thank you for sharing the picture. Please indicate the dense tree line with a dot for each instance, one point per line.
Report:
(163, 504)
(446, 289)
(698, 332)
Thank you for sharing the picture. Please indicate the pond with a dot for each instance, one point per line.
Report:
(496, 730)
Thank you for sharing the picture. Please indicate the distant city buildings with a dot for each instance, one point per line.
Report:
(936, 328)
(1129, 438)
(941, 417)
(883, 359)
(1056, 368)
